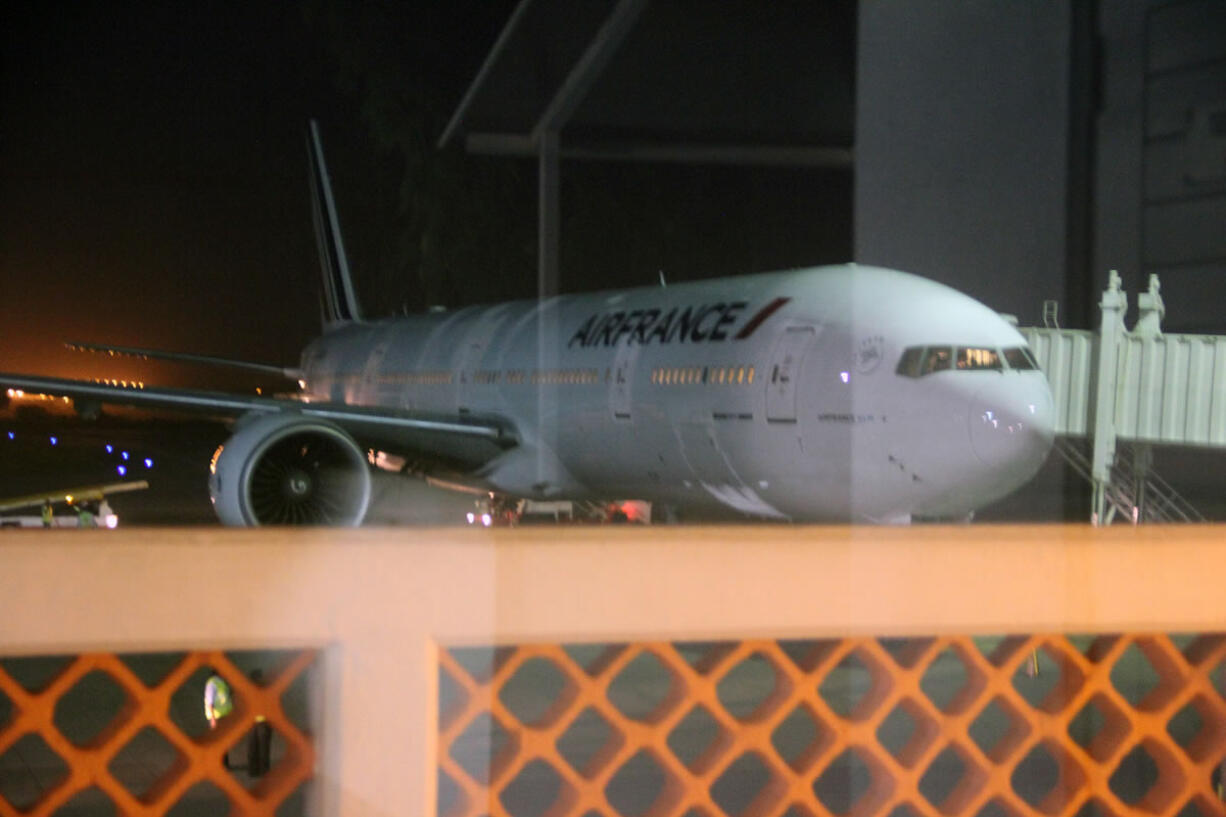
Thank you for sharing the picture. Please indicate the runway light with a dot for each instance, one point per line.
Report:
(148, 462)
(122, 470)
(54, 440)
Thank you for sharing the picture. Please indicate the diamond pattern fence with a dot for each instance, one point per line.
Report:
(1061, 726)
(126, 735)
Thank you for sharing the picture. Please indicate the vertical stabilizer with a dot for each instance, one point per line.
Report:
(340, 304)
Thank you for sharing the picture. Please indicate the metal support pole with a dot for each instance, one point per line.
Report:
(1114, 305)
(548, 213)
(546, 289)
(1142, 460)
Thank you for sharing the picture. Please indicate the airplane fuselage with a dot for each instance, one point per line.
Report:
(780, 395)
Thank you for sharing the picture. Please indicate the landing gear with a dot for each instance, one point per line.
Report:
(496, 510)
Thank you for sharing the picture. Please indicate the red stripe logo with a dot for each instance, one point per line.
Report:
(759, 319)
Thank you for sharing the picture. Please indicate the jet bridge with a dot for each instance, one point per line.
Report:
(1119, 392)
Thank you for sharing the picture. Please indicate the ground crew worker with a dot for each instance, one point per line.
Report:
(106, 515)
(85, 518)
(218, 702)
(48, 513)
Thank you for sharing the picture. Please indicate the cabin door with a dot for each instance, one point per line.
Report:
(784, 371)
(621, 392)
(372, 371)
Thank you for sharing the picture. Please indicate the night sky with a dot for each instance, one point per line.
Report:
(155, 193)
(154, 169)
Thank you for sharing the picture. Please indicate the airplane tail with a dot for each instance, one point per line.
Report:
(340, 303)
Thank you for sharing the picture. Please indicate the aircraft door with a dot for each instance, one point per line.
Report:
(621, 391)
(784, 370)
(372, 369)
(470, 364)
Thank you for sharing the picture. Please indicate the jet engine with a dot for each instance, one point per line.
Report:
(282, 469)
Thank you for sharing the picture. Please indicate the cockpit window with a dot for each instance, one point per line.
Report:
(917, 361)
(909, 363)
(936, 359)
(972, 358)
(1020, 358)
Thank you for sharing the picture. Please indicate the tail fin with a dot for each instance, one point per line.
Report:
(340, 304)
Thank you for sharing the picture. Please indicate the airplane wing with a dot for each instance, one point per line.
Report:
(181, 357)
(87, 492)
(467, 441)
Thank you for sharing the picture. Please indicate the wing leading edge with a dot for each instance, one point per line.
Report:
(465, 440)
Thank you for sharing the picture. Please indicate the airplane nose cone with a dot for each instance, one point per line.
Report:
(1012, 426)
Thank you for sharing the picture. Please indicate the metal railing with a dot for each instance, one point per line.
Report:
(832, 669)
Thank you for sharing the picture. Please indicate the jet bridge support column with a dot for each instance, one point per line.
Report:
(1150, 312)
(1114, 305)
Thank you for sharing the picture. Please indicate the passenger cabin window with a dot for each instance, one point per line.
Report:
(1020, 358)
(971, 358)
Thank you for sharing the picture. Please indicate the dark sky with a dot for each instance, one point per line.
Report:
(154, 184)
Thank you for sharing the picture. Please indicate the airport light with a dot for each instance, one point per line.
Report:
(12, 435)
(111, 521)
(110, 449)
(148, 462)
(122, 470)
(123, 454)
(54, 440)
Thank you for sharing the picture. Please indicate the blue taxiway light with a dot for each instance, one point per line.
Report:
(54, 440)
(121, 469)
(123, 454)
(110, 449)
(12, 436)
(148, 462)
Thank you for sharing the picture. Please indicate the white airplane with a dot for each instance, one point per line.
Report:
(831, 393)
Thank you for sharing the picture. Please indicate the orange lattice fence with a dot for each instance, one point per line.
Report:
(126, 734)
(1051, 725)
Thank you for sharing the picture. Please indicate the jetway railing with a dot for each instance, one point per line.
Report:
(1054, 670)
(1140, 386)
(1132, 491)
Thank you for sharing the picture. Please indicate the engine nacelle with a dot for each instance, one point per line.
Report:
(282, 469)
